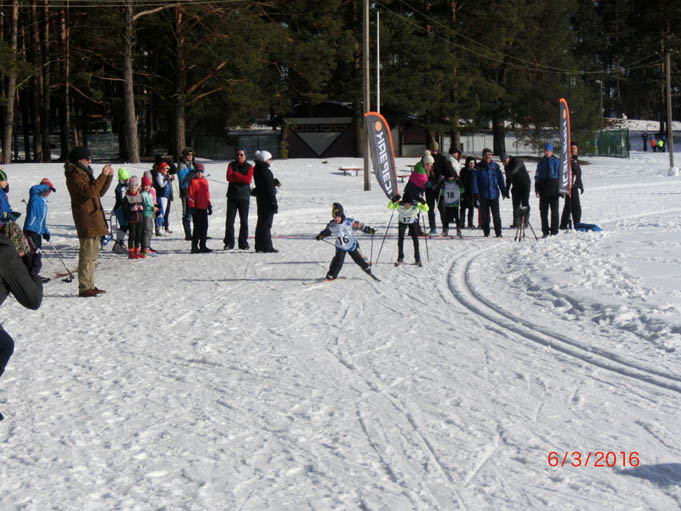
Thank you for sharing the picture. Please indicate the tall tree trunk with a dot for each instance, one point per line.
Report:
(65, 117)
(36, 86)
(180, 87)
(25, 107)
(11, 87)
(131, 134)
(45, 73)
(498, 133)
(358, 122)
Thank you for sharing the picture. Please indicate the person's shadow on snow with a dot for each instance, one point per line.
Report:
(662, 474)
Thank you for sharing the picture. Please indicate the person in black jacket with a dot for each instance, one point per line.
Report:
(573, 205)
(442, 169)
(519, 183)
(19, 277)
(239, 176)
(266, 199)
(467, 200)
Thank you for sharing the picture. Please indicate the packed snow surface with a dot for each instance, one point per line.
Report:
(237, 380)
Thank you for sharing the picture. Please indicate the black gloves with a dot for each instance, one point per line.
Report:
(319, 237)
(253, 192)
(13, 215)
(210, 209)
(46, 236)
(276, 182)
(581, 190)
(396, 198)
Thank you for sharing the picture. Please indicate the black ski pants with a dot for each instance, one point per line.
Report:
(234, 206)
(6, 349)
(572, 207)
(449, 215)
(413, 229)
(134, 234)
(487, 206)
(200, 232)
(546, 203)
(431, 198)
(467, 209)
(337, 262)
(520, 195)
(263, 229)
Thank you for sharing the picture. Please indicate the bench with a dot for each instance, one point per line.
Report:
(347, 170)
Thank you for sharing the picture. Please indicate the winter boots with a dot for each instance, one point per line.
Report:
(134, 253)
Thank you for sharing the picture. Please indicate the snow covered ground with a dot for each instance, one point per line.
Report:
(221, 381)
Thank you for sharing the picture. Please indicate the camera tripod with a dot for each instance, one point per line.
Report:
(521, 221)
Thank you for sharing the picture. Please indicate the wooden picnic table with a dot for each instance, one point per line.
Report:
(347, 170)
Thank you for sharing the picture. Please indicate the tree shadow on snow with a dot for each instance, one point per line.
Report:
(662, 474)
(276, 279)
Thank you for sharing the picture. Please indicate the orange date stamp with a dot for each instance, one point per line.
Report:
(594, 459)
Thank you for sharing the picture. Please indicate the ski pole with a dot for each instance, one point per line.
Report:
(70, 277)
(384, 236)
(424, 230)
(371, 254)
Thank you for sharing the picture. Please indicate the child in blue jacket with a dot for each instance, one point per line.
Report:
(35, 224)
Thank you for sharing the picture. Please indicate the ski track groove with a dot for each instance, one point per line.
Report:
(460, 285)
(378, 389)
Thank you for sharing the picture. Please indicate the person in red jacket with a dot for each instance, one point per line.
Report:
(198, 201)
(239, 176)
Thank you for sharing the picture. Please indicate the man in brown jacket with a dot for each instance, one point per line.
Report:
(88, 215)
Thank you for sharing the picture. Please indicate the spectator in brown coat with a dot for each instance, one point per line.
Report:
(88, 214)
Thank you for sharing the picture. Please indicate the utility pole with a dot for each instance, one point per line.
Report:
(367, 99)
(670, 135)
(378, 61)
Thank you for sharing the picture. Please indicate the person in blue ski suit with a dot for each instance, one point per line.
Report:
(488, 184)
(346, 241)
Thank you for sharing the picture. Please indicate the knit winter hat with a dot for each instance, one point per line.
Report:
(503, 156)
(146, 181)
(79, 153)
(548, 147)
(3, 175)
(163, 166)
(434, 146)
(133, 182)
(123, 174)
(263, 155)
(187, 150)
(428, 158)
(337, 210)
(45, 181)
(199, 167)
